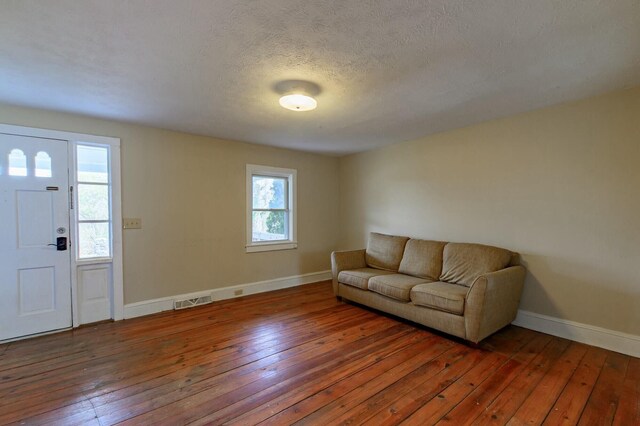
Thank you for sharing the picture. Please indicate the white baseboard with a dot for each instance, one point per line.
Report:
(625, 343)
(147, 307)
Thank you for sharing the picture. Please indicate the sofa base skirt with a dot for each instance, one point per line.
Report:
(442, 321)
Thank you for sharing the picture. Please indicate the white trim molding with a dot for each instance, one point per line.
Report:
(291, 199)
(625, 343)
(147, 307)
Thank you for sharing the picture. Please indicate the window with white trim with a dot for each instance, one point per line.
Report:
(93, 195)
(271, 211)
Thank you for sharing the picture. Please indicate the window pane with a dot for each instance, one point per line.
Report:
(17, 163)
(93, 202)
(93, 240)
(269, 226)
(43, 164)
(269, 192)
(93, 164)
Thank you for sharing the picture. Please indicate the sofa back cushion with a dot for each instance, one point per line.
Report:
(463, 263)
(385, 251)
(422, 258)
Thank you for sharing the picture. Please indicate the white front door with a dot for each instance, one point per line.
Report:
(35, 272)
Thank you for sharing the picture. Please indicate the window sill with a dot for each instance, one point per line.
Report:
(93, 260)
(285, 245)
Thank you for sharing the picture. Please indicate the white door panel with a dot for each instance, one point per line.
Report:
(36, 290)
(34, 216)
(35, 279)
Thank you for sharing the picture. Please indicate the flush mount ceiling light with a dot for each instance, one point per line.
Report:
(298, 102)
(297, 95)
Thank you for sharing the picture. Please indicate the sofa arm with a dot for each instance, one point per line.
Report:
(343, 260)
(492, 302)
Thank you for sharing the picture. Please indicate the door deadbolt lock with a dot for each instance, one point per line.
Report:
(61, 230)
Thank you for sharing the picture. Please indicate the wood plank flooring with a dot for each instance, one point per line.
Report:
(299, 356)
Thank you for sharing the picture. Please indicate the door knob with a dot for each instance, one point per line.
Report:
(61, 243)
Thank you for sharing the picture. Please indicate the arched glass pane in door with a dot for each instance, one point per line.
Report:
(43, 164)
(17, 163)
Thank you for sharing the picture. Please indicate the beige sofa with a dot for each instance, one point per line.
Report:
(467, 290)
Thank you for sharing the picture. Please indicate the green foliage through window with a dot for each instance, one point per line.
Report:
(275, 222)
(270, 208)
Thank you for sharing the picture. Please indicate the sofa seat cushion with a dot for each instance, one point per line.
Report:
(360, 277)
(385, 251)
(422, 258)
(463, 263)
(395, 286)
(441, 296)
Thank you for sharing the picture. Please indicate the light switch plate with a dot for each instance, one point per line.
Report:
(132, 223)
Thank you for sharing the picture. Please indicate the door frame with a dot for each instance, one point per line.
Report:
(72, 138)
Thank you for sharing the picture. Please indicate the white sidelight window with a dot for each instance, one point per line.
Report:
(271, 208)
(93, 201)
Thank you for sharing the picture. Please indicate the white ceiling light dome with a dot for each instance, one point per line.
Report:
(297, 95)
(298, 102)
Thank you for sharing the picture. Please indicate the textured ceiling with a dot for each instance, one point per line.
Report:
(389, 70)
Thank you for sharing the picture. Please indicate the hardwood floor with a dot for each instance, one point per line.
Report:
(300, 356)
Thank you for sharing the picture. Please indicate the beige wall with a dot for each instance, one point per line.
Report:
(190, 193)
(560, 185)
